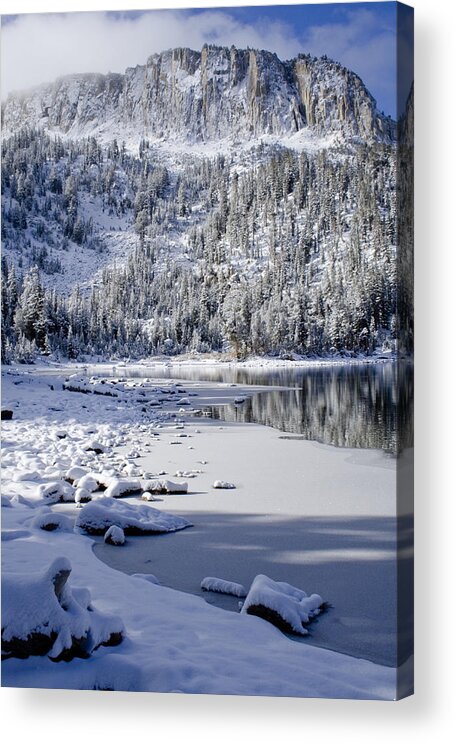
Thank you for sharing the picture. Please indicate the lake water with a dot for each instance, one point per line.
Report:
(364, 405)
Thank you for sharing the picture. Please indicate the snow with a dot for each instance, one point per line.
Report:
(176, 641)
(291, 606)
(147, 577)
(99, 515)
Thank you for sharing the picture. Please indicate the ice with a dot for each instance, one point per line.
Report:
(220, 484)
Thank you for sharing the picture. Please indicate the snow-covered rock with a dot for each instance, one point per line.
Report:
(95, 446)
(148, 497)
(88, 482)
(28, 476)
(49, 521)
(75, 473)
(56, 492)
(114, 536)
(42, 614)
(285, 606)
(216, 585)
(99, 515)
(220, 484)
(164, 487)
(123, 487)
(132, 471)
(82, 495)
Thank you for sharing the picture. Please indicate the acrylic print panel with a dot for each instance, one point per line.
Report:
(207, 351)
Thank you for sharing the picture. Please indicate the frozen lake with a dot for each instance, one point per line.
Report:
(322, 517)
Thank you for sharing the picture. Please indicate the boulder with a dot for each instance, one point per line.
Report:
(43, 615)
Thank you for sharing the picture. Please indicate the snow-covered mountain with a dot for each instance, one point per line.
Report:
(213, 94)
(212, 200)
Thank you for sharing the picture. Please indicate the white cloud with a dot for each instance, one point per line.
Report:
(40, 47)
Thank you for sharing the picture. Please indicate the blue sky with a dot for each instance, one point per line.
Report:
(362, 36)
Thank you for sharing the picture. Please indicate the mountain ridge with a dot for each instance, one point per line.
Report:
(208, 95)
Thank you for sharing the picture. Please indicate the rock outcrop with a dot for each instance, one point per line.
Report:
(213, 94)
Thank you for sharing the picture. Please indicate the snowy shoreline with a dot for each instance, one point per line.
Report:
(222, 360)
(238, 653)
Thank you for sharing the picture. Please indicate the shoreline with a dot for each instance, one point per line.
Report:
(255, 510)
(257, 362)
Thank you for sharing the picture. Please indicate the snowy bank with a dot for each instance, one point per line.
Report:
(175, 641)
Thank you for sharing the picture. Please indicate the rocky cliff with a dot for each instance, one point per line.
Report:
(213, 94)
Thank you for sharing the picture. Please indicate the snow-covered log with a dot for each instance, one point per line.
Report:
(216, 585)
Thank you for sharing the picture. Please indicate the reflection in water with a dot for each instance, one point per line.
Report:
(367, 405)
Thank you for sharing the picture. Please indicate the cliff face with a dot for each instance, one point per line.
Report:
(204, 96)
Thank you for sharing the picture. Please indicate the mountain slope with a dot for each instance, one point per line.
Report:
(252, 208)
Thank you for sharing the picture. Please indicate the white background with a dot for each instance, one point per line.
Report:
(56, 715)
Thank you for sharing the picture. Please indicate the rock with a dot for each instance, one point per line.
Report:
(7, 414)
